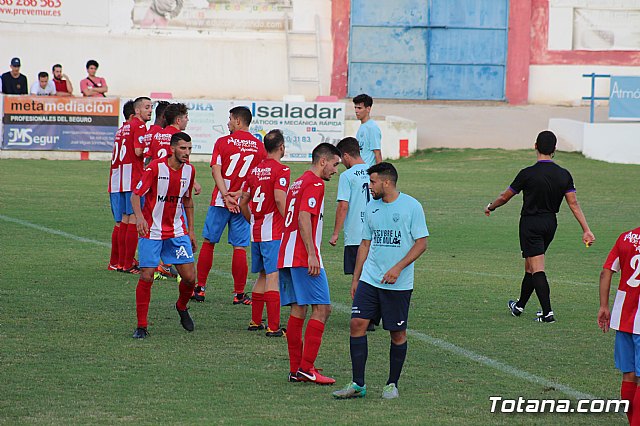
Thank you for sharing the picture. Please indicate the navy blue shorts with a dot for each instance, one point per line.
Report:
(350, 255)
(626, 352)
(218, 218)
(374, 303)
(264, 256)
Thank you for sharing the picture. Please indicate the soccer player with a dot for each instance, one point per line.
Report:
(167, 183)
(176, 117)
(303, 281)
(233, 158)
(394, 236)
(116, 195)
(544, 185)
(263, 205)
(353, 196)
(132, 165)
(368, 135)
(624, 257)
(159, 123)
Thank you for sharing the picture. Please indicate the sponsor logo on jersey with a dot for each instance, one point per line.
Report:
(387, 237)
(283, 181)
(312, 202)
(182, 252)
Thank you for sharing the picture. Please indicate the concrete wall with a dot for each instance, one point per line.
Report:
(188, 63)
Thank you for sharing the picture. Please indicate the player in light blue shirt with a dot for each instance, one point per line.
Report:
(368, 135)
(393, 237)
(353, 196)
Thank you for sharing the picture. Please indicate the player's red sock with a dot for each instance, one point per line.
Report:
(122, 243)
(294, 342)
(186, 290)
(143, 297)
(113, 260)
(131, 245)
(257, 307)
(239, 270)
(312, 341)
(628, 392)
(272, 300)
(205, 261)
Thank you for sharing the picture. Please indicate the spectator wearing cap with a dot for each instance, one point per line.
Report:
(93, 85)
(44, 86)
(13, 82)
(61, 81)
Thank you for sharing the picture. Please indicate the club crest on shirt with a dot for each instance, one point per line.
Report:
(182, 252)
(396, 217)
(283, 182)
(312, 202)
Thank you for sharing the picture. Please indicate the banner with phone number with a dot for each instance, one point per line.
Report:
(93, 13)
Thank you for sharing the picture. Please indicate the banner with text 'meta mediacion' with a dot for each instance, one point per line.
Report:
(59, 123)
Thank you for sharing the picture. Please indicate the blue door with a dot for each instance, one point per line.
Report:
(428, 49)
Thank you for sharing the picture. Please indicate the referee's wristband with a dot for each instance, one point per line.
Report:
(489, 207)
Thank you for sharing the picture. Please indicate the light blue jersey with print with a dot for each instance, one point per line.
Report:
(353, 187)
(369, 137)
(392, 229)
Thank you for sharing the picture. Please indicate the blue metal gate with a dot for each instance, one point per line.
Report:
(428, 49)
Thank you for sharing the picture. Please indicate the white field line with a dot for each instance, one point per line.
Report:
(433, 341)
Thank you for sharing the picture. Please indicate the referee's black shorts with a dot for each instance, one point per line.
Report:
(536, 233)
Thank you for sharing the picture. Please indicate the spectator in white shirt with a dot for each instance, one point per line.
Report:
(44, 87)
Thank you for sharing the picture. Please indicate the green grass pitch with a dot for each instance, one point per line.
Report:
(67, 356)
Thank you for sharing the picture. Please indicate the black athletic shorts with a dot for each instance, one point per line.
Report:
(350, 255)
(536, 233)
(374, 303)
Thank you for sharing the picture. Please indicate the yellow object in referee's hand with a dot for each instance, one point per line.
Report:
(587, 244)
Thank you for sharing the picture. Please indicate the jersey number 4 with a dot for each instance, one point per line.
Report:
(633, 280)
(258, 199)
(234, 162)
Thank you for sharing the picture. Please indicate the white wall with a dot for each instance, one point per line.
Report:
(190, 64)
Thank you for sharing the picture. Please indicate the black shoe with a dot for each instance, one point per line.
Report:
(198, 294)
(276, 333)
(185, 319)
(293, 378)
(140, 333)
(515, 310)
(371, 326)
(547, 318)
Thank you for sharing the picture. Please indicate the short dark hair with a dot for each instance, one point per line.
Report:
(55, 66)
(127, 109)
(384, 169)
(243, 113)
(273, 140)
(92, 62)
(43, 74)
(324, 150)
(180, 136)
(349, 145)
(175, 110)
(546, 142)
(363, 98)
(139, 100)
(161, 106)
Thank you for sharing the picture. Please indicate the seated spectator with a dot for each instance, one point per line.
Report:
(14, 83)
(43, 87)
(93, 85)
(61, 81)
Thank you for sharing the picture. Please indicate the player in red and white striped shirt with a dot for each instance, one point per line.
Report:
(303, 280)
(625, 318)
(233, 158)
(116, 196)
(159, 124)
(167, 185)
(263, 205)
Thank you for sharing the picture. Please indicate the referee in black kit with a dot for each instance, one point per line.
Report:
(544, 185)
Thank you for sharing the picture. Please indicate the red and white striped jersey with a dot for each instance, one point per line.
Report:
(148, 137)
(263, 180)
(138, 130)
(161, 143)
(624, 257)
(165, 189)
(237, 154)
(305, 194)
(119, 175)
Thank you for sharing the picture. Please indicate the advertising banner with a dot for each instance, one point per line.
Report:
(94, 13)
(304, 124)
(624, 98)
(59, 123)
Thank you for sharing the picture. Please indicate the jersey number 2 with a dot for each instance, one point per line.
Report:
(633, 280)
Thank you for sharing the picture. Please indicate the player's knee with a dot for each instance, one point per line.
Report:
(629, 377)
(146, 274)
(398, 337)
(358, 326)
